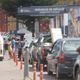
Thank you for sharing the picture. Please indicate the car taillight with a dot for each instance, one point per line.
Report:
(61, 57)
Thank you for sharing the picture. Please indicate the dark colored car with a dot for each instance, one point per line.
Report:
(76, 68)
(62, 56)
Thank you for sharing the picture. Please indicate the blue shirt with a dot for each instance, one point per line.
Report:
(13, 43)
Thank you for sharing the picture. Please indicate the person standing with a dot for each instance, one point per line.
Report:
(14, 47)
(10, 49)
(19, 49)
(14, 44)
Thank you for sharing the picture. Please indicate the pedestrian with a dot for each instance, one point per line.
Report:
(19, 49)
(14, 44)
(10, 48)
(5, 45)
(14, 47)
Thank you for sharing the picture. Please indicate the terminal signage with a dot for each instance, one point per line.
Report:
(41, 10)
(45, 10)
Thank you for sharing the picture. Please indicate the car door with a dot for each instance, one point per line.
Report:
(49, 57)
(56, 50)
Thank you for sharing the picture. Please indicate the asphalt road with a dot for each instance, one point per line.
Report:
(9, 71)
(45, 75)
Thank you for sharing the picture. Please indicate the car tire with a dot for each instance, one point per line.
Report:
(77, 75)
(50, 73)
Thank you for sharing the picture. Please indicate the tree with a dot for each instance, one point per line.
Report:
(11, 5)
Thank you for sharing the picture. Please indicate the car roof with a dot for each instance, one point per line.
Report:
(69, 38)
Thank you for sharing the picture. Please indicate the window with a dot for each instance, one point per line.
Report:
(71, 45)
(56, 48)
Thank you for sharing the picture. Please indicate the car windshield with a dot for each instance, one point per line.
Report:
(71, 45)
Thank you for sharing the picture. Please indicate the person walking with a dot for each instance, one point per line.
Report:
(19, 49)
(10, 48)
(14, 43)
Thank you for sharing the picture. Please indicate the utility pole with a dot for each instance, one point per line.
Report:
(26, 63)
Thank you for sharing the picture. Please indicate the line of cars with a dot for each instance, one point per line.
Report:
(61, 58)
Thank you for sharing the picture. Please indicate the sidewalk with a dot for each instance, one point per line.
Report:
(9, 70)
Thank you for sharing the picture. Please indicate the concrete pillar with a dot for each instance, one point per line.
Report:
(65, 23)
(36, 27)
(26, 64)
(51, 26)
(57, 22)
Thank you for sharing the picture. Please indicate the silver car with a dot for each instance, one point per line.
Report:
(76, 67)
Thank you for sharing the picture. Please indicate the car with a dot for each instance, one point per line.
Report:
(76, 67)
(62, 56)
(42, 48)
(33, 50)
(38, 46)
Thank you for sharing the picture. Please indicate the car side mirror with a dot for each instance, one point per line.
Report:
(78, 50)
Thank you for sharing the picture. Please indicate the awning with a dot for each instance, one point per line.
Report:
(22, 31)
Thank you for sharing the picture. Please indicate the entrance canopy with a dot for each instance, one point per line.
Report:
(41, 10)
(22, 31)
(45, 10)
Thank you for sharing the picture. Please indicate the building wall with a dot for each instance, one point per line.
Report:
(3, 21)
(7, 23)
(11, 23)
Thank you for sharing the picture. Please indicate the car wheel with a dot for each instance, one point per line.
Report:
(50, 73)
(77, 76)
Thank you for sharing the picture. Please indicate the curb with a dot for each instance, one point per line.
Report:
(28, 78)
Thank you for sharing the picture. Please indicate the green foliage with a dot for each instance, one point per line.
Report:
(43, 2)
(11, 7)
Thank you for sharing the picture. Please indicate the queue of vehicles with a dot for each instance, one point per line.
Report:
(61, 57)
